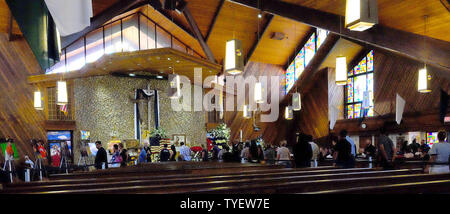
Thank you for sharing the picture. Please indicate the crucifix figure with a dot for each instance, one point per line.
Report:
(143, 96)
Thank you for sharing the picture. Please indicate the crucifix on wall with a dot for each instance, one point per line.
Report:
(142, 97)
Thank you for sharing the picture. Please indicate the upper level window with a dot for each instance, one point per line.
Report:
(360, 79)
(303, 57)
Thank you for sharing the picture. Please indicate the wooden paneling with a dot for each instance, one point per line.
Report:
(99, 6)
(395, 74)
(399, 14)
(278, 51)
(4, 19)
(18, 118)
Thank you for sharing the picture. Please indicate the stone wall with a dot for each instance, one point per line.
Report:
(104, 106)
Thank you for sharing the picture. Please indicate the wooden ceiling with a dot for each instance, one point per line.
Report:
(277, 52)
(235, 21)
(154, 61)
(342, 48)
(406, 15)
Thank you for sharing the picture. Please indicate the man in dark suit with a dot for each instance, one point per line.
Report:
(101, 156)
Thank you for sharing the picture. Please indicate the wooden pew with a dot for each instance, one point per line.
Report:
(326, 185)
(167, 169)
(156, 176)
(238, 185)
(425, 187)
(180, 179)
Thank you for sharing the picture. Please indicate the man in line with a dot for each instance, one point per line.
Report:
(315, 150)
(343, 152)
(164, 155)
(386, 150)
(185, 152)
(101, 157)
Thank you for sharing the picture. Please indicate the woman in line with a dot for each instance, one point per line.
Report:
(283, 155)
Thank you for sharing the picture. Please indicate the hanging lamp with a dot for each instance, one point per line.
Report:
(61, 92)
(288, 113)
(38, 100)
(423, 85)
(361, 15)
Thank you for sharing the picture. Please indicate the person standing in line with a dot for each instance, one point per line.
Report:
(253, 152)
(270, 154)
(425, 148)
(245, 153)
(123, 154)
(215, 151)
(302, 152)
(101, 157)
(314, 147)
(283, 155)
(185, 152)
(164, 155)
(352, 143)
(173, 153)
(204, 153)
(386, 151)
(440, 155)
(116, 159)
(370, 150)
(343, 152)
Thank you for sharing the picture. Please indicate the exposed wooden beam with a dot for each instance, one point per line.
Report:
(10, 26)
(436, 53)
(211, 27)
(258, 39)
(198, 34)
(98, 20)
(305, 82)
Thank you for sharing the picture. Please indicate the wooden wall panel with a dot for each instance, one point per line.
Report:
(18, 118)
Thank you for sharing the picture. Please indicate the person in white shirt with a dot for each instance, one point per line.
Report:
(185, 152)
(440, 154)
(315, 150)
(246, 151)
(283, 155)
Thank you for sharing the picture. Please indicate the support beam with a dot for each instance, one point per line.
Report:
(98, 20)
(436, 53)
(198, 35)
(258, 39)
(10, 27)
(211, 27)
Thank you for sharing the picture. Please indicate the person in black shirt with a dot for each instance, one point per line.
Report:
(123, 154)
(101, 156)
(164, 155)
(174, 153)
(204, 153)
(302, 152)
(343, 152)
(215, 151)
(253, 151)
(370, 150)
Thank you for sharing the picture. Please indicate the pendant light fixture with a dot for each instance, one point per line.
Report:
(258, 93)
(288, 113)
(361, 15)
(423, 85)
(234, 57)
(38, 100)
(61, 92)
(296, 101)
(341, 65)
(246, 113)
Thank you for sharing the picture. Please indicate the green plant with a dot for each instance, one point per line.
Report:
(221, 132)
(160, 131)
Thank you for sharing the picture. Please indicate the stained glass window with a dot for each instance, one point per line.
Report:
(290, 77)
(303, 57)
(350, 111)
(360, 79)
(350, 90)
(299, 63)
(310, 48)
(321, 36)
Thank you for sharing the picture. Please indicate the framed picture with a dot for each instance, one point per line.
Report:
(178, 138)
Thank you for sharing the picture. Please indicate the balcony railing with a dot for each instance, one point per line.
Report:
(130, 33)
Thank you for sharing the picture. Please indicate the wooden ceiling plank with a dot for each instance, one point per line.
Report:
(216, 14)
(258, 39)
(407, 44)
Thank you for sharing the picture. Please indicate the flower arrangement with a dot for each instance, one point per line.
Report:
(160, 131)
(221, 132)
